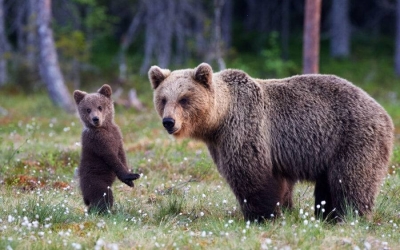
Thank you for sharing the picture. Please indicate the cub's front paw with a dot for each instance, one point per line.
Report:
(129, 178)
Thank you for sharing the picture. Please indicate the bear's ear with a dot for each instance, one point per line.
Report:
(157, 75)
(203, 74)
(105, 90)
(78, 96)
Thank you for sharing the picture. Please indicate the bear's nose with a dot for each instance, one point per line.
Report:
(168, 123)
(95, 119)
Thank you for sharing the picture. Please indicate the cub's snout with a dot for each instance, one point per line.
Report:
(96, 120)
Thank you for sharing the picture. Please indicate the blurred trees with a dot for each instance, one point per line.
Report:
(3, 47)
(340, 29)
(176, 33)
(397, 44)
(178, 30)
(49, 67)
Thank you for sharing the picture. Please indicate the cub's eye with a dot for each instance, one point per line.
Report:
(163, 101)
(88, 110)
(100, 108)
(184, 101)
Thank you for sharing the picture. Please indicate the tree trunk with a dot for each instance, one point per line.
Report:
(199, 22)
(3, 47)
(127, 40)
(311, 36)
(31, 43)
(226, 23)
(340, 29)
(20, 25)
(49, 68)
(164, 49)
(150, 36)
(160, 18)
(397, 45)
(218, 4)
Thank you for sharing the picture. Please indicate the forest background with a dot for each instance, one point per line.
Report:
(50, 48)
(115, 41)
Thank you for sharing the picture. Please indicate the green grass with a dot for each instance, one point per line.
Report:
(180, 202)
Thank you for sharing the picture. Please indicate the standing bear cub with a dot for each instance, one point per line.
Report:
(265, 135)
(103, 156)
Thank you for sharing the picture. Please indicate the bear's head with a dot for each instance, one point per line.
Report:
(184, 99)
(95, 109)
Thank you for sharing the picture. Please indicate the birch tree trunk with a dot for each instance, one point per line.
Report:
(340, 29)
(311, 37)
(49, 68)
(3, 47)
(218, 4)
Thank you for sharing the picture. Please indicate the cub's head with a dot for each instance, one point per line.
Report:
(183, 99)
(95, 109)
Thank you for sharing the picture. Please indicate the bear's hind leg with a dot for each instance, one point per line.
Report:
(97, 195)
(356, 186)
(324, 208)
(353, 197)
(259, 203)
(287, 197)
(102, 201)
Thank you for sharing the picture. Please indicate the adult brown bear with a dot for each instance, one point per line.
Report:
(264, 135)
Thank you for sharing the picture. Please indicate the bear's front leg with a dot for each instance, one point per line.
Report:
(128, 178)
(260, 201)
(118, 167)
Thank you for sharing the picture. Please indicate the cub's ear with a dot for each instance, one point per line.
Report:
(105, 90)
(78, 96)
(157, 75)
(203, 74)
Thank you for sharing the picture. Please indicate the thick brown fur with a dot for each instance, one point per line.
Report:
(103, 157)
(265, 135)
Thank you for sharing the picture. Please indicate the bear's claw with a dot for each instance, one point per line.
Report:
(129, 178)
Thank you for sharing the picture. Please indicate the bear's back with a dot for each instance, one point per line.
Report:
(314, 119)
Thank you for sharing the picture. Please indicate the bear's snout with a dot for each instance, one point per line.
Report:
(96, 120)
(168, 124)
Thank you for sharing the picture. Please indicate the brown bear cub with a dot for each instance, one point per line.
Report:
(103, 156)
(265, 135)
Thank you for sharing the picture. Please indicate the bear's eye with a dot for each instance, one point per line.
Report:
(100, 108)
(88, 110)
(163, 101)
(184, 101)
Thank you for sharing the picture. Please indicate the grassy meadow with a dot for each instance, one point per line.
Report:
(180, 202)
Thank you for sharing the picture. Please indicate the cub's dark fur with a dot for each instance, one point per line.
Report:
(103, 157)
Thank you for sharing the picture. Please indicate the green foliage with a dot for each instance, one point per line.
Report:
(73, 45)
(97, 22)
(273, 62)
(169, 208)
